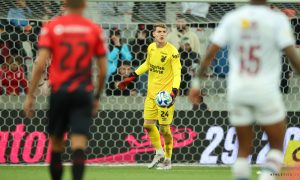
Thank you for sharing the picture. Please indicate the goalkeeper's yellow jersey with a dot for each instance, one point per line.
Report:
(164, 69)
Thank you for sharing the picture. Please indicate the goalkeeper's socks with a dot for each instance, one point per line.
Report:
(153, 135)
(78, 164)
(241, 169)
(167, 159)
(56, 167)
(168, 140)
(272, 165)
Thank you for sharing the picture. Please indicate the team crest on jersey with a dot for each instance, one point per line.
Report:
(245, 23)
(163, 58)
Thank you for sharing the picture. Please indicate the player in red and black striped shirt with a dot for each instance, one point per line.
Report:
(71, 41)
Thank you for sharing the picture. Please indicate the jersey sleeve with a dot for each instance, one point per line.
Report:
(145, 66)
(100, 44)
(220, 37)
(45, 40)
(284, 37)
(176, 68)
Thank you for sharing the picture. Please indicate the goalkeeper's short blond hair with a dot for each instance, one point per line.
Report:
(161, 25)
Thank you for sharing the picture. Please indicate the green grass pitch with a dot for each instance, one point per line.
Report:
(122, 173)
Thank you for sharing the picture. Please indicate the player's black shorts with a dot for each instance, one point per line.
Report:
(70, 111)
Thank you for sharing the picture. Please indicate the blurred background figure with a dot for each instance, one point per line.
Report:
(188, 58)
(12, 77)
(143, 12)
(138, 47)
(117, 12)
(182, 32)
(195, 9)
(123, 72)
(118, 51)
(44, 88)
(4, 44)
(19, 14)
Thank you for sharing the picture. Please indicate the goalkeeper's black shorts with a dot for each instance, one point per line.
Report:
(70, 111)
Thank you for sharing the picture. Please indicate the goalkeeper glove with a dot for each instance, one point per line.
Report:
(123, 84)
(173, 94)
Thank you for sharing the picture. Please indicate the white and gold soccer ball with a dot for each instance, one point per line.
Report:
(163, 99)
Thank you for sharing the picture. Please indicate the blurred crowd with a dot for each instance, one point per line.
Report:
(19, 33)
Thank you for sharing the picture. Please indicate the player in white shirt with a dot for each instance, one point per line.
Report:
(256, 36)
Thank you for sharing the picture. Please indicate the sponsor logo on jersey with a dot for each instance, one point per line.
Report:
(156, 69)
(175, 56)
(60, 29)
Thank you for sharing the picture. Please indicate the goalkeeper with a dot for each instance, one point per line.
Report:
(164, 68)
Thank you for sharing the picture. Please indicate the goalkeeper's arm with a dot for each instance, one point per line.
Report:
(176, 68)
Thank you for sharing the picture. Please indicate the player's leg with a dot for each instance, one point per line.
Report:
(81, 120)
(241, 168)
(56, 168)
(168, 140)
(274, 159)
(168, 147)
(154, 136)
(241, 118)
(165, 118)
(150, 116)
(58, 123)
(78, 146)
(271, 117)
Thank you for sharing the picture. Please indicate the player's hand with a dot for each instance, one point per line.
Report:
(173, 94)
(194, 96)
(123, 84)
(96, 105)
(28, 106)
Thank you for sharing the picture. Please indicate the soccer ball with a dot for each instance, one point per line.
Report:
(163, 99)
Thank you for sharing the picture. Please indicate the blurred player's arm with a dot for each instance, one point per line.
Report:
(195, 92)
(208, 58)
(37, 72)
(101, 65)
(293, 56)
(219, 39)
